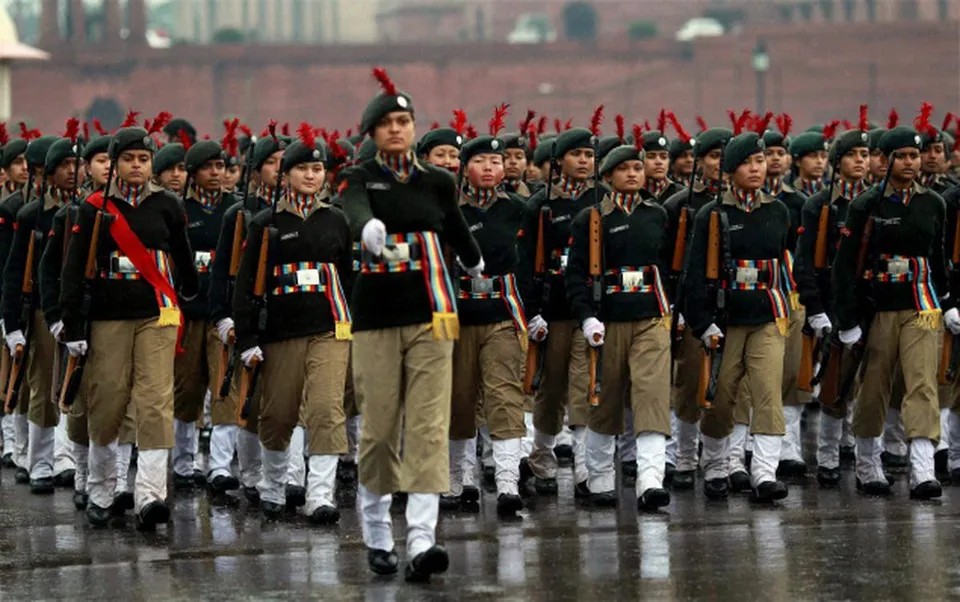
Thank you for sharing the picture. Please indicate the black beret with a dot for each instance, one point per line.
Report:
(37, 150)
(573, 139)
(517, 141)
(948, 142)
(367, 150)
(439, 137)
(130, 139)
(932, 136)
(265, 147)
(806, 143)
(846, 142)
(61, 150)
(655, 141)
(678, 147)
(173, 128)
(544, 151)
(356, 140)
(298, 153)
(245, 143)
(201, 152)
(711, 139)
(817, 127)
(100, 144)
(772, 138)
(873, 137)
(12, 150)
(607, 144)
(626, 152)
(899, 137)
(348, 151)
(167, 157)
(739, 149)
(382, 105)
(481, 145)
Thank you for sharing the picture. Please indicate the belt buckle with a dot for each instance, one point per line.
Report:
(481, 286)
(397, 253)
(896, 267)
(563, 262)
(308, 277)
(202, 259)
(747, 275)
(123, 265)
(631, 279)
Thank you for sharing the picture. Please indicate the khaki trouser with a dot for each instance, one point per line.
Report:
(635, 366)
(895, 335)
(131, 361)
(402, 378)
(44, 411)
(79, 433)
(487, 361)
(686, 378)
(565, 379)
(305, 377)
(196, 369)
(753, 354)
(224, 411)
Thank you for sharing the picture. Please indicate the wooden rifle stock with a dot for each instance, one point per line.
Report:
(823, 235)
(248, 377)
(805, 376)
(19, 357)
(596, 278)
(15, 368)
(680, 244)
(713, 248)
(706, 369)
(225, 371)
(4, 369)
(712, 271)
(946, 373)
(531, 376)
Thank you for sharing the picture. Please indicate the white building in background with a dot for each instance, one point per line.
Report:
(12, 50)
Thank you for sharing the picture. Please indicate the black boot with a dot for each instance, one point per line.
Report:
(828, 477)
(22, 476)
(927, 490)
(490, 476)
(153, 514)
(270, 510)
(80, 500)
(878, 488)
(740, 482)
(628, 474)
(940, 466)
(64, 479)
(252, 495)
(183, 482)
(382, 562)
(768, 492)
(449, 503)
(848, 456)
(97, 516)
(296, 496)
(122, 502)
(41, 486)
(325, 515)
(564, 454)
(508, 504)
(223, 483)
(545, 486)
(653, 499)
(791, 469)
(7, 460)
(683, 480)
(431, 562)
(603, 499)
(894, 462)
(669, 471)
(715, 489)
(955, 476)
(581, 491)
(526, 473)
(470, 495)
(347, 472)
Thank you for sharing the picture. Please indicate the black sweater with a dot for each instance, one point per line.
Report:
(9, 207)
(160, 224)
(677, 203)
(912, 230)
(638, 239)
(203, 229)
(220, 294)
(814, 287)
(426, 202)
(759, 234)
(323, 237)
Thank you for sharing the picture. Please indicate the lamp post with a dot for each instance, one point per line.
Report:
(761, 64)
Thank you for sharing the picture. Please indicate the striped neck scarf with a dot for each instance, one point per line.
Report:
(870, 180)
(265, 192)
(59, 195)
(773, 185)
(851, 190)
(747, 200)
(483, 197)
(401, 167)
(929, 179)
(627, 201)
(712, 186)
(809, 187)
(656, 187)
(571, 187)
(301, 203)
(902, 196)
(208, 199)
(10, 188)
(131, 193)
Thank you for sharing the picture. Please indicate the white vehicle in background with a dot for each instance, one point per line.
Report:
(700, 28)
(532, 28)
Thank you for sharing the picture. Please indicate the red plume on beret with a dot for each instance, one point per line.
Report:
(246, 130)
(702, 124)
(4, 136)
(863, 123)
(434, 125)
(525, 124)
(647, 126)
(922, 121)
(99, 127)
(158, 123)
(830, 130)
(558, 125)
(306, 135)
(542, 125)
(662, 121)
(621, 127)
(459, 123)
(947, 119)
(760, 124)
(471, 132)
(681, 133)
(568, 125)
(595, 121)
(73, 129)
(638, 136)
(131, 120)
(893, 120)
(784, 124)
(739, 123)
(184, 138)
(498, 121)
(532, 137)
(229, 142)
(380, 74)
(337, 151)
(272, 128)
(86, 131)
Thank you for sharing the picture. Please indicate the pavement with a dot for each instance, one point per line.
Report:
(815, 545)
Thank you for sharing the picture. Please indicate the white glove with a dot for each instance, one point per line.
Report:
(820, 323)
(374, 236)
(224, 327)
(537, 328)
(3, 328)
(952, 320)
(849, 337)
(56, 328)
(15, 338)
(712, 331)
(77, 348)
(476, 270)
(247, 356)
(680, 320)
(591, 328)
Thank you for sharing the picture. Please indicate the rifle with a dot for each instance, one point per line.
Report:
(676, 270)
(533, 373)
(716, 286)
(228, 360)
(948, 354)
(596, 277)
(248, 379)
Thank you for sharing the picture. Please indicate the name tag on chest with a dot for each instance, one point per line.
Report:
(378, 185)
(193, 225)
(476, 227)
(560, 218)
(632, 279)
(290, 236)
(620, 228)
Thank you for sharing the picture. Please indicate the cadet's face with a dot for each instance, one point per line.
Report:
(629, 176)
(683, 165)
(812, 165)
(534, 173)
(63, 175)
(174, 178)
(134, 167)
(210, 175)
(18, 172)
(99, 168)
(906, 166)
(270, 168)
(752, 173)
(878, 165)
(445, 156)
(485, 171)
(578, 163)
(776, 160)
(711, 164)
(307, 178)
(514, 163)
(934, 159)
(394, 133)
(231, 176)
(655, 164)
(853, 165)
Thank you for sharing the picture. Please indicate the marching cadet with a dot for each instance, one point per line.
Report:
(952, 401)
(564, 372)
(129, 328)
(489, 353)
(751, 229)
(441, 147)
(197, 367)
(169, 170)
(232, 167)
(933, 162)
(34, 221)
(518, 155)
(179, 129)
(849, 154)
(539, 168)
(809, 159)
(227, 436)
(656, 163)
(682, 207)
(304, 343)
(402, 210)
(891, 301)
(681, 160)
(619, 250)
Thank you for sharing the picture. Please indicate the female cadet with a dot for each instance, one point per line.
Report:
(131, 323)
(405, 324)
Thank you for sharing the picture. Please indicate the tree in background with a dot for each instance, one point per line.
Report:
(580, 21)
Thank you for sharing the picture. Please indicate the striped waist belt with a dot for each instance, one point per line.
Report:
(496, 287)
(902, 269)
(401, 254)
(894, 268)
(313, 277)
(630, 279)
(763, 274)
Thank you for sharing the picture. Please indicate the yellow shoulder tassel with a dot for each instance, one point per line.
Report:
(667, 321)
(169, 316)
(795, 301)
(524, 339)
(783, 325)
(446, 327)
(343, 331)
(930, 319)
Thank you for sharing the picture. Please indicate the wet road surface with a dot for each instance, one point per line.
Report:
(816, 545)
